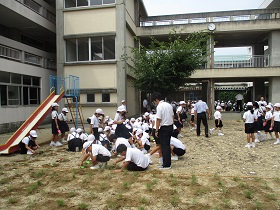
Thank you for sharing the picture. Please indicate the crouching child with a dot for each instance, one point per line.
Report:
(28, 145)
(97, 153)
(134, 159)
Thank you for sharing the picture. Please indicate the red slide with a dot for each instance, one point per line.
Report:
(31, 123)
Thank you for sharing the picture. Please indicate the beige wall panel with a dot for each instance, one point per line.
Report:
(132, 99)
(90, 21)
(130, 43)
(94, 76)
(130, 9)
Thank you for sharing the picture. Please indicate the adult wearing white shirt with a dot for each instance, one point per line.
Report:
(239, 98)
(200, 110)
(164, 128)
(145, 105)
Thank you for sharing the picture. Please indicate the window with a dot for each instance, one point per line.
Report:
(21, 90)
(91, 97)
(90, 49)
(32, 59)
(86, 3)
(105, 97)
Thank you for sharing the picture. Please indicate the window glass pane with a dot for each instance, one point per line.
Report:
(83, 50)
(36, 81)
(90, 97)
(109, 1)
(3, 95)
(26, 80)
(13, 95)
(109, 48)
(70, 3)
(4, 77)
(96, 48)
(105, 97)
(25, 96)
(81, 3)
(16, 78)
(33, 95)
(71, 54)
(95, 2)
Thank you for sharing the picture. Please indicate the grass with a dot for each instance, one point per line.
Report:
(175, 201)
(236, 179)
(12, 200)
(149, 187)
(72, 194)
(125, 185)
(271, 197)
(31, 189)
(259, 205)
(227, 203)
(60, 203)
(248, 194)
(83, 206)
(194, 180)
(143, 200)
(38, 174)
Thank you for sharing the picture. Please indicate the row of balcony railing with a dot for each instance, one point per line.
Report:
(225, 16)
(25, 57)
(39, 9)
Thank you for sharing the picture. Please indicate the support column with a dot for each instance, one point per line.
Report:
(273, 92)
(274, 48)
(120, 50)
(60, 51)
(258, 89)
(210, 52)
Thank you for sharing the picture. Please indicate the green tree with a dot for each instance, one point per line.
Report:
(166, 66)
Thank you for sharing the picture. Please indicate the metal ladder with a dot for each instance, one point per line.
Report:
(76, 111)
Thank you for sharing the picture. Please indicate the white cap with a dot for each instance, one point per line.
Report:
(79, 130)
(121, 109)
(100, 130)
(277, 104)
(132, 119)
(73, 129)
(107, 128)
(146, 114)
(87, 145)
(91, 137)
(138, 132)
(123, 101)
(192, 105)
(99, 111)
(269, 106)
(64, 109)
(249, 104)
(107, 117)
(182, 102)
(33, 133)
(218, 107)
(110, 122)
(55, 104)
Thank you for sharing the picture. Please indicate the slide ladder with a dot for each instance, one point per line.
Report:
(76, 112)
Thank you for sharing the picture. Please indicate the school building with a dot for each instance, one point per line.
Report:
(87, 38)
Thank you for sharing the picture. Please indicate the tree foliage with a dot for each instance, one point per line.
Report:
(165, 66)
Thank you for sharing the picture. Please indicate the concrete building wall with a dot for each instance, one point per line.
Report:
(95, 20)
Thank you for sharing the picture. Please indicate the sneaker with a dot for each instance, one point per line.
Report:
(257, 141)
(180, 135)
(211, 130)
(253, 145)
(174, 157)
(248, 145)
(277, 142)
(63, 141)
(52, 144)
(221, 134)
(164, 168)
(95, 167)
(29, 152)
(160, 160)
(58, 144)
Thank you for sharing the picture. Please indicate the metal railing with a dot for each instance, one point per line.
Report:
(11, 53)
(241, 61)
(224, 16)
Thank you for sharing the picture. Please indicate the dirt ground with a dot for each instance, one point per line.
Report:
(216, 173)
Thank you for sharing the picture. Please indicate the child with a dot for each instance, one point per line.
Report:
(63, 123)
(55, 126)
(218, 121)
(192, 118)
(97, 153)
(267, 123)
(275, 123)
(178, 149)
(134, 159)
(28, 145)
(258, 125)
(144, 143)
(95, 124)
(249, 118)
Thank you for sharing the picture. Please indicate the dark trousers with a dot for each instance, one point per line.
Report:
(201, 117)
(95, 133)
(239, 105)
(165, 133)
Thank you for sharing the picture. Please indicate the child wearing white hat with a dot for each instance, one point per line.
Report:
(55, 126)
(267, 123)
(249, 117)
(218, 121)
(95, 124)
(275, 123)
(28, 145)
(63, 123)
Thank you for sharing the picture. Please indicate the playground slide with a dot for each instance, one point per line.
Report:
(31, 123)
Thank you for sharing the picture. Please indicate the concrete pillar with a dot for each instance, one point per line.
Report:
(273, 92)
(120, 50)
(210, 52)
(60, 51)
(274, 48)
(258, 89)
